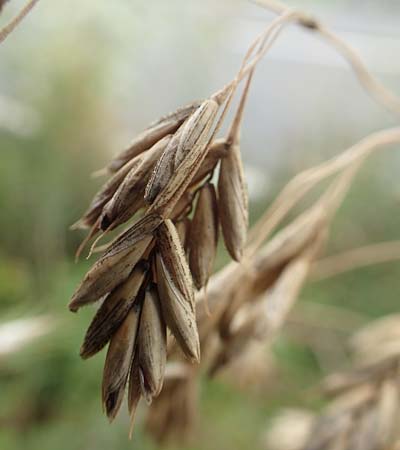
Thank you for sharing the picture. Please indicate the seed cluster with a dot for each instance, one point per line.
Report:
(147, 276)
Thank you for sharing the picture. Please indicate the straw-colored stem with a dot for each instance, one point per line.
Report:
(10, 27)
(355, 259)
(300, 185)
(374, 87)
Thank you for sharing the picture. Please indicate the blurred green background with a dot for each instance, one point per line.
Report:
(77, 82)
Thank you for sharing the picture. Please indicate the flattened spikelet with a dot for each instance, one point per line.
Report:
(167, 198)
(128, 198)
(203, 238)
(108, 273)
(163, 170)
(233, 203)
(105, 194)
(118, 362)
(152, 344)
(178, 313)
(196, 129)
(156, 131)
(113, 311)
(173, 255)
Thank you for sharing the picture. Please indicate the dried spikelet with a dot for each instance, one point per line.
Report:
(178, 311)
(272, 261)
(128, 198)
(166, 200)
(134, 391)
(144, 227)
(285, 246)
(183, 206)
(289, 430)
(233, 202)
(118, 362)
(173, 257)
(152, 344)
(163, 170)
(156, 131)
(203, 238)
(183, 230)
(107, 273)
(196, 129)
(217, 150)
(113, 311)
(173, 414)
(364, 412)
(105, 194)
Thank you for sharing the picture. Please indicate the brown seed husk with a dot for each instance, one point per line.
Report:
(156, 131)
(105, 194)
(195, 129)
(152, 343)
(183, 230)
(203, 238)
(233, 202)
(166, 200)
(173, 255)
(134, 391)
(177, 311)
(118, 362)
(163, 170)
(113, 311)
(128, 198)
(183, 206)
(116, 264)
(218, 150)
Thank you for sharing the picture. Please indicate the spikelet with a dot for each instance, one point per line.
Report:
(152, 344)
(128, 198)
(233, 202)
(203, 238)
(105, 194)
(118, 363)
(173, 256)
(196, 129)
(156, 131)
(108, 272)
(191, 161)
(163, 170)
(178, 311)
(113, 311)
(217, 150)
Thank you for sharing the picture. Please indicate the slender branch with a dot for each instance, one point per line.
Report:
(300, 185)
(355, 259)
(10, 27)
(374, 87)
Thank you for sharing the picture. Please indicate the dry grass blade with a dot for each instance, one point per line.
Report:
(156, 131)
(107, 273)
(118, 363)
(203, 237)
(113, 311)
(10, 27)
(152, 344)
(178, 312)
(233, 203)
